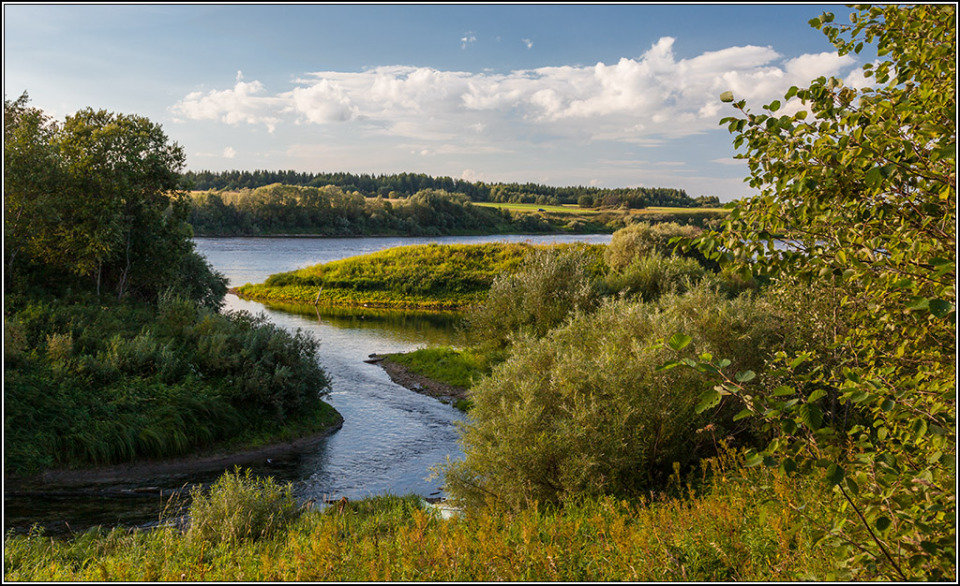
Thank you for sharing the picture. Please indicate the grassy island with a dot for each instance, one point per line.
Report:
(431, 276)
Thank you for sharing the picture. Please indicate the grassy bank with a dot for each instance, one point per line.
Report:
(432, 276)
(459, 368)
(89, 384)
(743, 525)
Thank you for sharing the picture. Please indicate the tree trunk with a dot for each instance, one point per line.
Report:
(126, 271)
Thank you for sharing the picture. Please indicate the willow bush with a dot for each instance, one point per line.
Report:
(584, 410)
(551, 283)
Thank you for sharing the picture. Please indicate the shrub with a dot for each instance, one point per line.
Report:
(637, 240)
(240, 507)
(552, 283)
(652, 275)
(585, 410)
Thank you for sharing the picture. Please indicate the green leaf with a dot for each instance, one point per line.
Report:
(834, 474)
(788, 465)
(940, 308)
(742, 415)
(708, 399)
(726, 97)
(811, 416)
(816, 395)
(668, 365)
(745, 376)
(782, 390)
(753, 460)
(882, 523)
(679, 341)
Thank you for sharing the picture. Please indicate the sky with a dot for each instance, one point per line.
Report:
(603, 95)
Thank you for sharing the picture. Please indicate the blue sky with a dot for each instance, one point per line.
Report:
(606, 95)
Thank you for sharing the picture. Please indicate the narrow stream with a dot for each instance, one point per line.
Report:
(391, 437)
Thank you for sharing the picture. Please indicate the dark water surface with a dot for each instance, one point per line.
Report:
(391, 437)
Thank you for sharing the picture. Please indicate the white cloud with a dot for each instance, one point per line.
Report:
(243, 103)
(471, 175)
(728, 161)
(528, 43)
(229, 153)
(640, 100)
(467, 39)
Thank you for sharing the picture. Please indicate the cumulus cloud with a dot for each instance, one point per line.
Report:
(528, 43)
(244, 103)
(467, 39)
(229, 153)
(639, 100)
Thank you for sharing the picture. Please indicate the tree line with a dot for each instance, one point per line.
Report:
(401, 185)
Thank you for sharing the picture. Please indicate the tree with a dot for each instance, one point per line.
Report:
(96, 198)
(859, 186)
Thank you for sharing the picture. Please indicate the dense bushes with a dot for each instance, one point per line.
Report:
(551, 283)
(92, 384)
(585, 410)
(331, 211)
(642, 239)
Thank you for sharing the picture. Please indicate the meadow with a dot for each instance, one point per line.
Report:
(727, 525)
(433, 276)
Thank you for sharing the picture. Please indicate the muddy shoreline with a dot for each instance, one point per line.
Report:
(160, 472)
(417, 383)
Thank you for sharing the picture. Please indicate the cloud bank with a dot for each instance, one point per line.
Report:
(655, 95)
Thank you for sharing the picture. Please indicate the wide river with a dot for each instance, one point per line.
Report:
(391, 437)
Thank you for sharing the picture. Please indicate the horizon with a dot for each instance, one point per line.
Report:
(567, 95)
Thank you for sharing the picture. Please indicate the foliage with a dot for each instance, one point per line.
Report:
(96, 384)
(584, 410)
(330, 211)
(860, 186)
(724, 529)
(239, 507)
(92, 204)
(552, 283)
(403, 185)
(652, 275)
(642, 239)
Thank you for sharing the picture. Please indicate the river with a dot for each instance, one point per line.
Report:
(391, 437)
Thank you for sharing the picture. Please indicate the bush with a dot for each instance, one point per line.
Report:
(552, 283)
(653, 275)
(98, 384)
(241, 507)
(638, 240)
(585, 410)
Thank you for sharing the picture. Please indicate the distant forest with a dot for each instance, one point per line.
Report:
(404, 185)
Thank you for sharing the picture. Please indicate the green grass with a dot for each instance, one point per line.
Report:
(742, 525)
(458, 368)
(532, 207)
(681, 211)
(431, 276)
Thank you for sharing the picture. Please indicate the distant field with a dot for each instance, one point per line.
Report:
(577, 210)
(666, 210)
(532, 207)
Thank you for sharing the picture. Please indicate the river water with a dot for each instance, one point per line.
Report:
(391, 437)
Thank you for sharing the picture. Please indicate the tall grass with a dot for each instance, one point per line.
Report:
(738, 524)
(90, 384)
